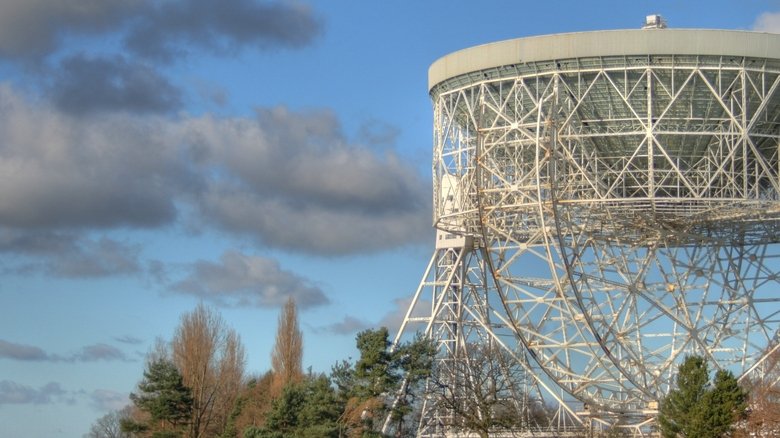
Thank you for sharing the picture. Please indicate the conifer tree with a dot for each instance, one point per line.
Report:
(694, 409)
(163, 396)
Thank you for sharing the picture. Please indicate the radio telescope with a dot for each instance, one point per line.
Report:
(606, 204)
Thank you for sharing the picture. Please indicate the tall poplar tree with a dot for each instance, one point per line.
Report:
(287, 355)
(211, 360)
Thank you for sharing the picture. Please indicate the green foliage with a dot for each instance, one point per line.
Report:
(127, 425)
(382, 381)
(374, 375)
(678, 410)
(164, 397)
(166, 434)
(414, 360)
(309, 409)
(723, 405)
(694, 409)
(231, 430)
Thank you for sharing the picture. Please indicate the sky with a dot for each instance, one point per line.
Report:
(156, 154)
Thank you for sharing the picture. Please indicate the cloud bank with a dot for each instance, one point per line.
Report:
(15, 393)
(90, 353)
(154, 29)
(289, 180)
(242, 280)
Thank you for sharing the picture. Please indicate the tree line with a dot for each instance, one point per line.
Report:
(196, 386)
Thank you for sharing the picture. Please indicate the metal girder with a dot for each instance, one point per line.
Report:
(629, 215)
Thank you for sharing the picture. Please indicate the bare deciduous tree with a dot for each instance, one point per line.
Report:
(482, 391)
(211, 360)
(764, 399)
(109, 425)
(256, 402)
(287, 355)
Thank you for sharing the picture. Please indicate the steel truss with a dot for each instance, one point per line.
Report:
(627, 214)
(454, 305)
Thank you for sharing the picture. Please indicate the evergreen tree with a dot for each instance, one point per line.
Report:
(163, 396)
(414, 361)
(721, 406)
(308, 409)
(694, 409)
(382, 382)
(373, 371)
(678, 410)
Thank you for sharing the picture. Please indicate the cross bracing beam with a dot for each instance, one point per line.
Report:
(624, 181)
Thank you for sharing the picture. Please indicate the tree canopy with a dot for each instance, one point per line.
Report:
(696, 408)
(194, 386)
(163, 396)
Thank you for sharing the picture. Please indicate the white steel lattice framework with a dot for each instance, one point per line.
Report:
(619, 194)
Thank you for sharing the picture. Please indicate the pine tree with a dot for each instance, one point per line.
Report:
(721, 406)
(373, 371)
(696, 409)
(163, 396)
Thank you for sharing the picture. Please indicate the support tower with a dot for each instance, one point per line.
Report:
(606, 204)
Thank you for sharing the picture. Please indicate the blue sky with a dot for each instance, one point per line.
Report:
(156, 154)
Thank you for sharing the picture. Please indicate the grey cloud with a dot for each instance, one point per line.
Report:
(221, 27)
(243, 280)
(15, 393)
(84, 85)
(289, 180)
(395, 317)
(11, 350)
(32, 28)
(768, 22)
(66, 173)
(105, 400)
(347, 326)
(100, 258)
(211, 93)
(68, 255)
(128, 339)
(392, 320)
(89, 353)
(286, 223)
(36, 243)
(377, 133)
(297, 183)
(98, 352)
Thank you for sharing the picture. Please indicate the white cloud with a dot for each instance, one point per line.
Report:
(768, 22)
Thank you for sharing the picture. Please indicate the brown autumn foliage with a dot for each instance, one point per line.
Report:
(358, 414)
(287, 355)
(256, 402)
(764, 400)
(211, 360)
